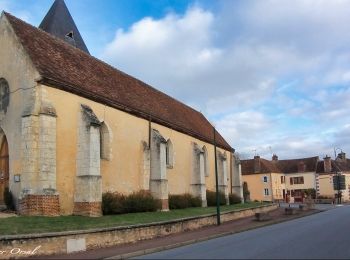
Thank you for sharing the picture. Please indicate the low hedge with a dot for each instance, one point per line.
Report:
(183, 201)
(8, 199)
(211, 198)
(117, 203)
(234, 199)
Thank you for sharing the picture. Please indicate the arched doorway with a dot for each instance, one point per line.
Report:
(4, 168)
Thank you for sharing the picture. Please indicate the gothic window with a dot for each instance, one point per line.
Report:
(206, 162)
(4, 95)
(169, 154)
(105, 142)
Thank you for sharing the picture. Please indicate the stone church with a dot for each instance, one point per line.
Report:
(73, 127)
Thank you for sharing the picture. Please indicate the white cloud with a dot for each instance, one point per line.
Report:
(9, 6)
(248, 66)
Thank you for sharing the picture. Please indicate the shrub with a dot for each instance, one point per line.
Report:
(117, 203)
(310, 193)
(113, 203)
(246, 192)
(234, 199)
(183, 201)
(211, 198)
(8, 198)
(141, 201)
(324, 197)
(196, 202)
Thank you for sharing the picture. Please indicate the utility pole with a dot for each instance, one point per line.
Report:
(216, 183)
(337, 174)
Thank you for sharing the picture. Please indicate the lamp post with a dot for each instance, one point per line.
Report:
(337, 174)
(216, 182)
(335, 152)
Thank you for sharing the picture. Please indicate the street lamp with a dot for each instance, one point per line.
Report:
(216, 182)
(337, 174)
(335, 152)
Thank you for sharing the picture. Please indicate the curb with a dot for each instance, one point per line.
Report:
(193, 241)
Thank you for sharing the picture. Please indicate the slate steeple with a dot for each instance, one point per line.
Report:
(59, 22)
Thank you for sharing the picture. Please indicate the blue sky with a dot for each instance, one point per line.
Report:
(273, 75)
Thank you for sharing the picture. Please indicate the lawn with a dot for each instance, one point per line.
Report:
(26, 225)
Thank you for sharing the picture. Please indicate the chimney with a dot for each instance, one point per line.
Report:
(342, 156)
(327, 164)
(274, 157)
(257, 167)
(301, 167)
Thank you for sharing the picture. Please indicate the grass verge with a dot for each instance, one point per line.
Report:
(27, 225)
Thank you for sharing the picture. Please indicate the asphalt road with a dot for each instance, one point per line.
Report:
(325, 235)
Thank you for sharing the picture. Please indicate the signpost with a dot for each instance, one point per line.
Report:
(339, 184)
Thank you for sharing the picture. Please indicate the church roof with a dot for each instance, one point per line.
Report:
(59, 22)
(70, 69)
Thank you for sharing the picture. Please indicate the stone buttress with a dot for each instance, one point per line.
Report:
(88, 183)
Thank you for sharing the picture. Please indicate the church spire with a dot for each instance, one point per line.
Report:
(59, 22)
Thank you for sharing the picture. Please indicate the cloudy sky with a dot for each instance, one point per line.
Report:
(273, 76)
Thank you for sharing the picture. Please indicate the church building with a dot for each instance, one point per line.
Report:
(73, 127)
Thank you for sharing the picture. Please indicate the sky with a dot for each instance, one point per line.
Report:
(273, 76)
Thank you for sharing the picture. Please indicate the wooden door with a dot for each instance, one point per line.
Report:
(4, 168)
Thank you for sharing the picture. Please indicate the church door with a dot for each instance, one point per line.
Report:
(4, 168)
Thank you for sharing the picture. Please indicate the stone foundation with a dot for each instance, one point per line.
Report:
(39, 205)
(89, 209)
(165, 205)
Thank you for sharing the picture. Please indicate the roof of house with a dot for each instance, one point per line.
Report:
(68, 68)
(337, 166)
(59, 22)
(266, 166)
(279, 166)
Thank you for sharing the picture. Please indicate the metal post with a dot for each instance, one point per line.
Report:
(337, 174)
(339, 192)
(217, 183)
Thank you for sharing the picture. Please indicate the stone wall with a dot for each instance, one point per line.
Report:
(68, 242)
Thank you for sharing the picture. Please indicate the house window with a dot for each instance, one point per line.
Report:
(169, 155)
(283, 179)
(266, 192)
(296, 180)
(265, 178)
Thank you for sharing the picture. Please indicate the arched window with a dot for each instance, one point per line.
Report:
(4, 95)
(105, 142)
(206, 162)
(169, 154)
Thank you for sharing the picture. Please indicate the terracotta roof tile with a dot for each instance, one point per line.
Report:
(337, 165)
(70, 69)
(279, 166)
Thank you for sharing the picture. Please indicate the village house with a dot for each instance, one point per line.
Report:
(273, 180)
(73, 127)
(326, 170)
